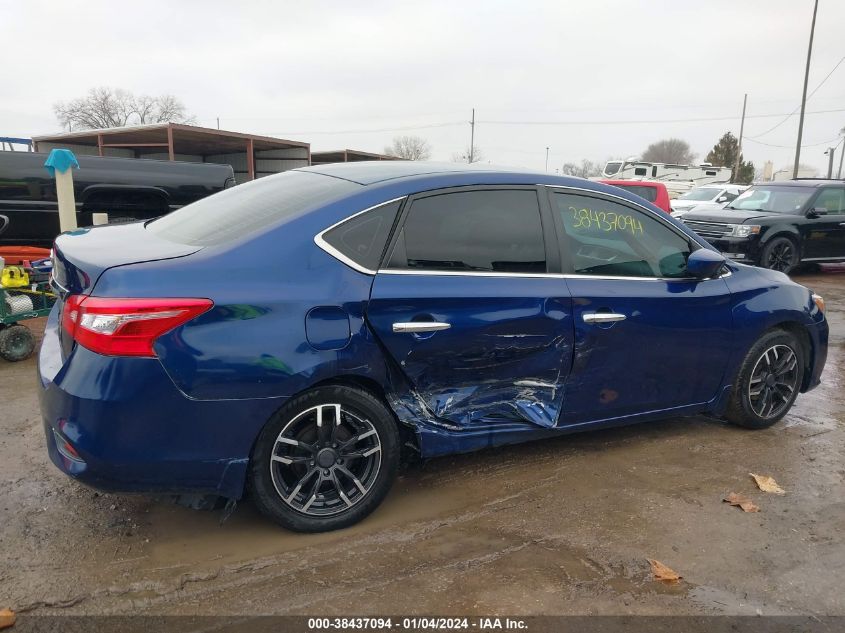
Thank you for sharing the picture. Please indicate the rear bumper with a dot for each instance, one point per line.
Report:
(130, 429)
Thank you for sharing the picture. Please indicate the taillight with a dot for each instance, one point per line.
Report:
(126, 327)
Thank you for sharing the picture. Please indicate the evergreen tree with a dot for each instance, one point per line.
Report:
(723, 154)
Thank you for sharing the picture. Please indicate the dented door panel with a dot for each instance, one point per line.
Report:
(503, 358)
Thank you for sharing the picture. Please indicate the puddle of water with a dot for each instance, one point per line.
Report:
(191, 538)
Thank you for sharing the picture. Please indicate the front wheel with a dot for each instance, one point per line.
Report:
(780, 254)
(768, 381)
(326, 460)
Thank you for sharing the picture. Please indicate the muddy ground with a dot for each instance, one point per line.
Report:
(553, 527)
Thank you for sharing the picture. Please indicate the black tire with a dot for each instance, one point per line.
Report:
(312, 477)
(767, 357)
(781, 254)
(16, 343)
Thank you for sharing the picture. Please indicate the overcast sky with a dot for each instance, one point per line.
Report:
(577, 76)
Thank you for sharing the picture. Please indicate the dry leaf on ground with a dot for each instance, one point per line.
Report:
(736, 499)
(662, 572)
(7, 618)
(767, 484)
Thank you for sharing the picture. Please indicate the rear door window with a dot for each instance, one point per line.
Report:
(486, 231)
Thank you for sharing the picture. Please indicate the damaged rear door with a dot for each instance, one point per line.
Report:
(479, 331)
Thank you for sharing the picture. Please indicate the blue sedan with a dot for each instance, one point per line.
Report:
(290, 336)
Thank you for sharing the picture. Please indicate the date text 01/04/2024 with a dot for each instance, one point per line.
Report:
(417, 624)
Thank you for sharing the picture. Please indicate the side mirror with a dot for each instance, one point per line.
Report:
(722, 199)
(817, 212)
(704, 263)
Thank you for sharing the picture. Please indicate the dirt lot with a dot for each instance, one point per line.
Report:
(552, 527)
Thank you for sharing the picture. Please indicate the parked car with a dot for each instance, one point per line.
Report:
(779, 225)
(706, 197)
(127, 189)
(654, 192)
(374, 306)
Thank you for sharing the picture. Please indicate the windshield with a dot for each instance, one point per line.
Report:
(612, 167)
(701, 194)
(773, 198)
(248, 208)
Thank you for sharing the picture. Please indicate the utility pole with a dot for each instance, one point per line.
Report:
(804, 94)
(735, 174)
(218, 123)
(547, 159)
(841, 155)
(831, 151)
(472, 136)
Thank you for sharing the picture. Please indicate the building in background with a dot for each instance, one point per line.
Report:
(346, 156)
(251, 156)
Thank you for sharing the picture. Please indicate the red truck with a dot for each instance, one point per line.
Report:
(654, 192)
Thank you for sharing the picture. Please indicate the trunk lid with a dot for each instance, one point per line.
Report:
(80, 257)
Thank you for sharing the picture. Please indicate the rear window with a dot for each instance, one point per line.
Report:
(649, 193)
(248, 208)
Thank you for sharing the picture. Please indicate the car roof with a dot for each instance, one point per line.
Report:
(399, 176)
(802, 182)
(370, 172)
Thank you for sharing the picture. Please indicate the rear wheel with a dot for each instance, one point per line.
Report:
(780, 254)
(16, 343)
(768, 381)
(326, 460)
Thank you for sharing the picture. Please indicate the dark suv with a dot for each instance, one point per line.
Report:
(779, 225)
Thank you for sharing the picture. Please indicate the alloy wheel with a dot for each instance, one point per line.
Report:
(325, 460)
(773, 381)
(781, 256)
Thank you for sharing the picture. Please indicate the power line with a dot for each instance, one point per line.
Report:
(505, 122)
(641, 121)
(789, 116)
(747, 138)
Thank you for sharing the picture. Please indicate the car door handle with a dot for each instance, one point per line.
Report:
(842, 224)
(603, 317)
(420, 326)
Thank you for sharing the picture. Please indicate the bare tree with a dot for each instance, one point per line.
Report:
(464, 156)
(109, 107)
(409, 148)
(586, 169)
(670, 150)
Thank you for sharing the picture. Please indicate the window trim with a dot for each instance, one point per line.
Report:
(331, 250)
(550, 247)
(550, 234)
